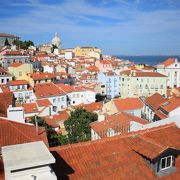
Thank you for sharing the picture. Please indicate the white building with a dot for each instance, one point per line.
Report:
(136, 84)
(68, 54)
(170, 68)
(28, 161)
(16, 114)
(22, 91)
(51, 92)
(151, 105)
(78, 95)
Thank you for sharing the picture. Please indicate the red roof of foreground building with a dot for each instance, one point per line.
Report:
(6, 99)
(47, 90)
(155, 100)
(128, 104)
(116, 157)
(17, 133)
(152, 142)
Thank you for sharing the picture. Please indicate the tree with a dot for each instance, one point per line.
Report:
(57, 139)
(53, 47)
(54, 138)
(23, 44)
(78, 125)
(6, 43)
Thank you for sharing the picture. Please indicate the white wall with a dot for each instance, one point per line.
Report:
(16, 114)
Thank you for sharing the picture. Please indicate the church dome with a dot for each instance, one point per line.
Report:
(56, 41)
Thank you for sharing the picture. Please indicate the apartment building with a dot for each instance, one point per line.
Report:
(136, 83)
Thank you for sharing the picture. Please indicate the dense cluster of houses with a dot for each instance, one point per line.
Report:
(139, 106)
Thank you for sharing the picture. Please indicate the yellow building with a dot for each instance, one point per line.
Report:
(19, 69)
(87, 51)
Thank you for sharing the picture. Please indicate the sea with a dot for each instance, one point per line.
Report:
(150, 60)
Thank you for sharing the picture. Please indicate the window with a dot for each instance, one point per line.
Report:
(166, 162)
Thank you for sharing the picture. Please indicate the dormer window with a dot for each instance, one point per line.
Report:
(166, 162)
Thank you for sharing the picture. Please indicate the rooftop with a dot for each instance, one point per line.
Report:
(47, 89)
(26, 155)
(128, 104)
(115, 157)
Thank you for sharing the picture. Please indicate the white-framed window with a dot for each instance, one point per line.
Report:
(166, 162)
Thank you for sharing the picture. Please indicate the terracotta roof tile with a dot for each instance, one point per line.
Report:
(16, 133)
(29, 108)
(43, 103)
(115, 157)
(155, 100)
(128, 104)
(168, 62)
(171, 104)
(47, 90)
(17, 82)
(16, 64)
(119, 122)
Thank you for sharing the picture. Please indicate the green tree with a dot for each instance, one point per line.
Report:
(53, 47)
(54, 138)
(57, 139)
(23, 44)
(6, 43)
(78, 125)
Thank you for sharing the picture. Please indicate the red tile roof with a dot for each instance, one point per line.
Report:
(168, 62)
(17, 82)
(148, 74)
(2, 175)
(16, 133)
(47, 90)
(29, 108)
(6, 99)
(41, 76)
(65, 88)
(95, 106)
(128, 104)
(16, 64)
(119, 122)
(171, 104)
(151, 143)
(43, 103)
(155, 100)
(62, 116)
(13, 53)
(160, 114)
(116, 157)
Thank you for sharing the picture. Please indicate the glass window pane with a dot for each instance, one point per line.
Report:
(168, 162)
(163, 163)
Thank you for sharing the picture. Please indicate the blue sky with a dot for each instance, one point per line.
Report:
(130, 27)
